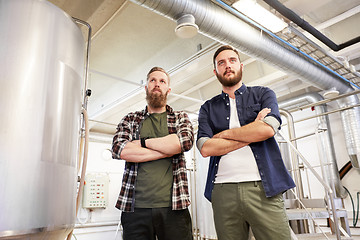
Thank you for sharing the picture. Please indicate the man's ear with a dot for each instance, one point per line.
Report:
(215, 71)
(169, 90)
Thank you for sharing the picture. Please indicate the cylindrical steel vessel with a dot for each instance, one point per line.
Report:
(41, 72)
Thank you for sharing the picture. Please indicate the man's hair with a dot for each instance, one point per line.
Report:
(222, 48)
(160, 69)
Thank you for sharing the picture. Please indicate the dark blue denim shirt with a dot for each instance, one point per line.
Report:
(214, 117)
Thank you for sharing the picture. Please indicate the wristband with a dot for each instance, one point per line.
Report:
(142, 142)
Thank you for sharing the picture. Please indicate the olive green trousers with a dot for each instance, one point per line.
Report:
(238, 206)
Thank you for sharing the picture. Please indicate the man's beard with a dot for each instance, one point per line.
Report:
(229, 82)
(155, 100)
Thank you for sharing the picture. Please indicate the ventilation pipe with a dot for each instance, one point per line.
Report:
(351, 121)
(332, 175)
(221, 25)
(217, 23)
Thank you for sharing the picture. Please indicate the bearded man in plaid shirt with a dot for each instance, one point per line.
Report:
(154, 196)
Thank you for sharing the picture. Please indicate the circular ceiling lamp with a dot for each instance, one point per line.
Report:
(331, 93)
(186, 27)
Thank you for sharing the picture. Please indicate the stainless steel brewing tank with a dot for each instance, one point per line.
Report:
(41, 72)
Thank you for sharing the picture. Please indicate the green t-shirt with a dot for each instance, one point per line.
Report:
(155, 178)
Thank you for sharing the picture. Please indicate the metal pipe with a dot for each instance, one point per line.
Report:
(295, 166)
(91, 225)
(293, 156)
(219, 24)
(87, 63)
(327, 113)
(289, 14)
(293, 109)
(326, 140)
(351, 124)
(192, 173)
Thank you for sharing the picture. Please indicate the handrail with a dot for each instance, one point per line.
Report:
(310, 215)
(323, 183)
(325, 101)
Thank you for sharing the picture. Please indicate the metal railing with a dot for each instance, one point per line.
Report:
(327, 188)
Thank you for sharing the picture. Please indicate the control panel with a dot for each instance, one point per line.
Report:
(96, 190)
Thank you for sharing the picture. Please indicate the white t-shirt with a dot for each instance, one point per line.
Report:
(238, 165)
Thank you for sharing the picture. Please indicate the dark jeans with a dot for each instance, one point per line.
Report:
(163, 223)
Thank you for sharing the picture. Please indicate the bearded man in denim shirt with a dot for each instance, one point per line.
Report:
(247, 175)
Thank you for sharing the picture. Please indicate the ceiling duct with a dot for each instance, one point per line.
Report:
(217, 23)
(351, 124)
(221, 25)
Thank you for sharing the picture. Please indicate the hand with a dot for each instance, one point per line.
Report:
(262, 114)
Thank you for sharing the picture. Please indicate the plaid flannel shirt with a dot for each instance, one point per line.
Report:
(128, 130)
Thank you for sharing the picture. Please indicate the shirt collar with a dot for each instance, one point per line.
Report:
(241, 90)
(238, 91)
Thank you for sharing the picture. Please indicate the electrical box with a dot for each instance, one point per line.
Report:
(96, 190)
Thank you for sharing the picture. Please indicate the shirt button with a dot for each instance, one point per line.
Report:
(227, 104)
(227, 118)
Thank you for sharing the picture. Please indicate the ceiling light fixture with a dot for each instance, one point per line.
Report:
(331, 93)
(186, 27)
(259, 14)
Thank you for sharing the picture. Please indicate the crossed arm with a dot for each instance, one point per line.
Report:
(124, 146)
(235, 138)
(156, 148)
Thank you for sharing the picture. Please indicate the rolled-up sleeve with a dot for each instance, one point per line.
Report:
(205, 132)
(185, 132)
(272, 122)
(122, 136)
(200, 142)
(269, 101)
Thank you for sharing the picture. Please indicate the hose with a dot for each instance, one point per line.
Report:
(345, 169)
(84, 163)
(355, 218)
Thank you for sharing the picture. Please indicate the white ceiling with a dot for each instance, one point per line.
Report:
(128, 40)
